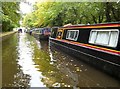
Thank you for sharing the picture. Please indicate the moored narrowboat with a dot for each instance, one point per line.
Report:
(42, 33)
(98, 44)
(45, 33)
(36, 32)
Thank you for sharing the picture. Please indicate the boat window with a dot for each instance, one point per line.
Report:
(59, 34)
(104, 37)
(113, 38)
(41, 31)
(72, 35)
(37, 31)
(93, 36)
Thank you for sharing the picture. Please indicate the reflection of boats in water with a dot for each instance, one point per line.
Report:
(76, 73)
(61, 70)
(43, 45)
(97, 44)
(52, 69)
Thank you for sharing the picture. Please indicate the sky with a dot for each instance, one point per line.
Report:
(26, 8)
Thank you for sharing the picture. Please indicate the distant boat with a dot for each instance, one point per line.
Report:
(42, 33)
(19, 30)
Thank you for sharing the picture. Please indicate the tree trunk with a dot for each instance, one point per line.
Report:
(115, 14)
(101, 18)
(94, 19)
(107, 12)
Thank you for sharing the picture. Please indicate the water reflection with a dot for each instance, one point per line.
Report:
(61, 70)
(27, 65)
(11, 76)
(80, 74)
(55, 73)
(30, 63)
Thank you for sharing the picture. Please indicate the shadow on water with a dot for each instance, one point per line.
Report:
(28, 62)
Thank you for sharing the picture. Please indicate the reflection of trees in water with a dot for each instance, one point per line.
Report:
(69, 75)
(21, 79)
(9, 56)
(56, 73)
(15, 77)
(12, 75)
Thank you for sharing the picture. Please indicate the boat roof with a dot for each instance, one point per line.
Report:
(100, 25)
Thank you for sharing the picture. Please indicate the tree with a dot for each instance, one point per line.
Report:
(112, 11)
(10, 15)
(61, 13)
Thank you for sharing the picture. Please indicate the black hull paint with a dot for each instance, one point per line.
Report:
(104, 61)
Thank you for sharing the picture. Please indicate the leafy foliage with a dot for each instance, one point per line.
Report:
(61, 13)
(10, 15)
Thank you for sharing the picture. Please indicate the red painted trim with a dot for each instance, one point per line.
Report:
(115, 52)
(94, 26)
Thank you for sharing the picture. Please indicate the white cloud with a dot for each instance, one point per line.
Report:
(25, 8)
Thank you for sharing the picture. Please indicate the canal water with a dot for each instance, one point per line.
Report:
(27, 62)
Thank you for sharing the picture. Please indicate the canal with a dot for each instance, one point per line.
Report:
(26, 62)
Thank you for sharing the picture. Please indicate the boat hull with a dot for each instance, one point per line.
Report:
(104, 61)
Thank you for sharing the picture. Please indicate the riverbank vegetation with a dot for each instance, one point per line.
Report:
(61, 13)
(10, 15)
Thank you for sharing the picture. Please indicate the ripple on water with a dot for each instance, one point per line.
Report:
(36, 67)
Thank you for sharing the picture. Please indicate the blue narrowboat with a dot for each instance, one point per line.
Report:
(42, 33)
